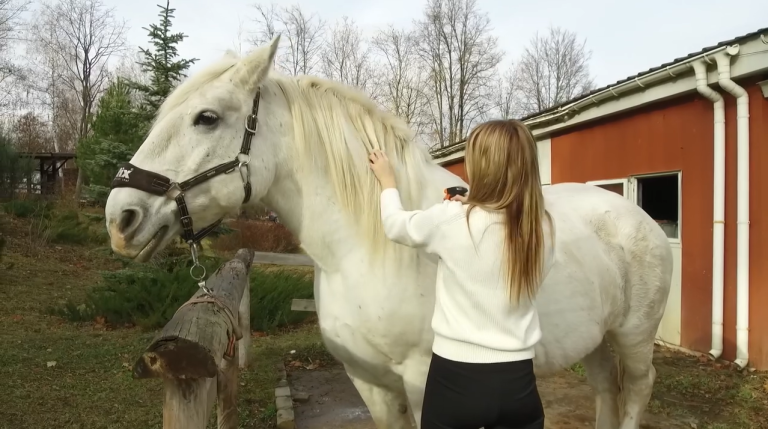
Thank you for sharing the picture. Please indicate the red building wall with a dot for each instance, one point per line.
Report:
(678, 135)
(457, 168)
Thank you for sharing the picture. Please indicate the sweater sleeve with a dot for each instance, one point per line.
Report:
(417, 228)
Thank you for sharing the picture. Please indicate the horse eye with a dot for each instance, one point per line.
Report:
(206, 119)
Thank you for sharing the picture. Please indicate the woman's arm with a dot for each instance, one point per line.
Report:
(415, 228)
(411, 228)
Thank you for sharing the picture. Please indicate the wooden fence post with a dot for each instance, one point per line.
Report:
(196, 353)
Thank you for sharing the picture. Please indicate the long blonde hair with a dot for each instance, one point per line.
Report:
(502, 167)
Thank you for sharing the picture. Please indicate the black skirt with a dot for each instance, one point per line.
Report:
(463, 395)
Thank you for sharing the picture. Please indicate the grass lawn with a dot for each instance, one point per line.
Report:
(55, 374)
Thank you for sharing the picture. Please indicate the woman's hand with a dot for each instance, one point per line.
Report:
(382, 169)
(461, 198)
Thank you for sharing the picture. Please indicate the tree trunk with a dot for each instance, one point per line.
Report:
(78, 185)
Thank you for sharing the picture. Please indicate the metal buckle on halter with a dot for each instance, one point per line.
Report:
(251, 123)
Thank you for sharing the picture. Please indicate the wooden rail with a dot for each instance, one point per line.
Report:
(199, 352)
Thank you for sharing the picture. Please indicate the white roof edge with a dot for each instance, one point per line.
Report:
(663, 84)
(452, 157)
(670, 82)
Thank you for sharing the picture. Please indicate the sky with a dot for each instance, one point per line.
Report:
(625, 37)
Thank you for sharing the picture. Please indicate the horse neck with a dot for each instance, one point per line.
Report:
(310, 210)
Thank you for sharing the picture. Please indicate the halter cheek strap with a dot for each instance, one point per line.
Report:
(130, 176)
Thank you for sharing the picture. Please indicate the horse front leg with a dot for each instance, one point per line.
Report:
(414, 372)
(388, 407)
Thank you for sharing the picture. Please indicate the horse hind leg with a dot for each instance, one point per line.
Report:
(389, 409)
(603, 378)
(636, 375)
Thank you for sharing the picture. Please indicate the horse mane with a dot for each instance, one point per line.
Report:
(335, 129)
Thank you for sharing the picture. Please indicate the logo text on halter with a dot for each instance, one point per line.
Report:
(124, 174)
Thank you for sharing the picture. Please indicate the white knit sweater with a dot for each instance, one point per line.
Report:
(474, 320)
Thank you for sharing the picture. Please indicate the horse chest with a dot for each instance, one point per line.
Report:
(371, 329)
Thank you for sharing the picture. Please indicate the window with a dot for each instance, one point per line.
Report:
(659, 196)
(618, 186)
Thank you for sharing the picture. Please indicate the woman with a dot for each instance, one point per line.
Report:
(495, 248)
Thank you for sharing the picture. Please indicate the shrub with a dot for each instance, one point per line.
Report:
(259, 235)
(28, 208)
(66, 228)
(149, 295)
(72, 227)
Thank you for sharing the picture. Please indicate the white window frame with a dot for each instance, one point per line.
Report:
(627, 191)
(636, 197)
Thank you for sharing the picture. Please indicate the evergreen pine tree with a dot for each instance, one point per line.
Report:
(161, 63)
(118, 128)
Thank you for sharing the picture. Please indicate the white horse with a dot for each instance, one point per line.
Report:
(608, 288)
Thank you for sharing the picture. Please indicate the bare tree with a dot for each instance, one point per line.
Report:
(347, 57)
(238, 43)
(504, 95)
(10, 12)
(553, 69)
(79, 37)
(302, 36)
(460, 55)
(32, 134)
(400, 81)
(130, 68)
(10, 22)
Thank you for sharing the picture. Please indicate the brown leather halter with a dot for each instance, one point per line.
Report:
(130, 176)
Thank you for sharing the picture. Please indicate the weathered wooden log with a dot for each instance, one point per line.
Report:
(282, 259)
(244, 317)
(196, 353)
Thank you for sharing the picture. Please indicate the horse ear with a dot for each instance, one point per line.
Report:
(254, 68)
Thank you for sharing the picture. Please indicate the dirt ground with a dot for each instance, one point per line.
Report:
(334, 402)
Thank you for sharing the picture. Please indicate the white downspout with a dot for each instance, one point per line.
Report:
(742, 202)
(718, 215)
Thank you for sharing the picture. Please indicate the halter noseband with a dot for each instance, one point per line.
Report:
(130, 176)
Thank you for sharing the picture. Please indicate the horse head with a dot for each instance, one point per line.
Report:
(205, 156)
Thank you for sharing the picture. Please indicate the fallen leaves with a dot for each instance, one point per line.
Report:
(299, 364)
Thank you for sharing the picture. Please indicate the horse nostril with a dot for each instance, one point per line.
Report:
(129, 220)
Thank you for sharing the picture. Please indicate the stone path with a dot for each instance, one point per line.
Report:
(335, 404)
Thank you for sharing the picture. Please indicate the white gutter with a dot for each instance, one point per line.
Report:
(671, 71)
(742, 202)
(718, 215)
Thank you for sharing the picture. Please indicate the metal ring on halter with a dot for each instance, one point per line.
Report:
(192, 272)
(174, 189)
(253, 131)
(243, 159)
